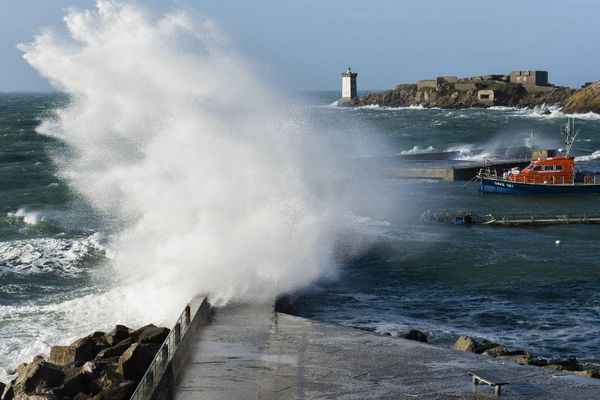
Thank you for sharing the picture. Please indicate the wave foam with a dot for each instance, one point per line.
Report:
(46, 255)
(594, 156)
(420, 150)
(28, 217)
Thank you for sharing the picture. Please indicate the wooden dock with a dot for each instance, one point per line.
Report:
(545, 220)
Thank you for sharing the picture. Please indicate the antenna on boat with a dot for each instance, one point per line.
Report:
(569, 134)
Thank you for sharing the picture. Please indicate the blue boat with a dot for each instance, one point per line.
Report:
(551, 175)
(498, 185)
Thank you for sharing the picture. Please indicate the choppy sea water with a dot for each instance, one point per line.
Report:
(513, 285)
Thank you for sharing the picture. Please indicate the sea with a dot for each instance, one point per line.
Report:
(512, 285)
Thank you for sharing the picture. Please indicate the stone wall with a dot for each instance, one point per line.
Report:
(539, 78)
(427, 84)
(465, 85)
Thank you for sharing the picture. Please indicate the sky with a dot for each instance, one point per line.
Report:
(305, 45)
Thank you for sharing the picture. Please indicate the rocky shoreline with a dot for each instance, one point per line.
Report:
(491, 349)
(100, 366)
(103, 366)
(487, 91)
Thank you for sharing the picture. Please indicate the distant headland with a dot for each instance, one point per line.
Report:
(522, 89)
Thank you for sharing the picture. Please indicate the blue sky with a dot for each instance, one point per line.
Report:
(304, 45)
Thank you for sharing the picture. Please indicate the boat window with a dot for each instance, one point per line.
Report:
(538, 168)
(548, 168)
(559, 167)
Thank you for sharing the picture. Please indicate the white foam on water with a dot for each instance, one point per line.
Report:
(28, 217)
(420, 150)
(46, 255)
(378, 107)
(594, 156)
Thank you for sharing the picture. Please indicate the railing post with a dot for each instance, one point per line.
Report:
(164, 352)
(187, 315)
(177, 333)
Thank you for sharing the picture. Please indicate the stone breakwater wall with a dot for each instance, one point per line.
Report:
(98, 366)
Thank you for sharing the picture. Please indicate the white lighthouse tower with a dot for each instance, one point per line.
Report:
(349, 93)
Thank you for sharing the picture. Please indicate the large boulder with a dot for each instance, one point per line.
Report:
(134, 362)
(92, 344)
(593, 373)
(468, 344)
(519, 356)
(465, 343)
(123, 391)
(63, 355)
(566, 364)
(495, 351)
(117, 335)
(37, 377)
(114, 351)
(106, 381)
(414, 334)
(78, 383)
(150, 334)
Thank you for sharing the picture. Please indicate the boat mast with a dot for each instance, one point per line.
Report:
(569, 134)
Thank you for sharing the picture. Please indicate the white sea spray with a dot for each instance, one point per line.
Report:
(222, 188)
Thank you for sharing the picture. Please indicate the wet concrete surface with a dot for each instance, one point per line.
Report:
(251, 352)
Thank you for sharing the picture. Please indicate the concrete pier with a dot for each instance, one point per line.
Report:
(251, 352)
(433, 166)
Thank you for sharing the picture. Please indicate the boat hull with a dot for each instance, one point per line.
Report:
(490, 185)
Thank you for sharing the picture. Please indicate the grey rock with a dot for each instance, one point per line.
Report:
(519, 356)
(120, 333)
(134, 362)
(495, 351)
(106, 381)
(150, 334)
(121, 392)
(468, 344)
(114, 351)
(566, 364)
(63, 355)
(414, 334)
(35, 378)
(593, 373)
(465, 343)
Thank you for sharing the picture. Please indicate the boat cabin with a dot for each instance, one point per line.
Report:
(548, 171)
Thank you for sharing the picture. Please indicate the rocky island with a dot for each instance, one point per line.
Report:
(522, 89)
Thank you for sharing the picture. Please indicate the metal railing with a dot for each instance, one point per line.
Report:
(155, 372)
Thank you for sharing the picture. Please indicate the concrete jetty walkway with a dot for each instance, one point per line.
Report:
(251, 352)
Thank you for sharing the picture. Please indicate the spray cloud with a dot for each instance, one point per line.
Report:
(222, 190)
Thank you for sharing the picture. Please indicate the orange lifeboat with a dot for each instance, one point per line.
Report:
(546, 171)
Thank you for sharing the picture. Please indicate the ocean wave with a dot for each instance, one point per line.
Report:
(47, 255)
(420, 150)
(378, 107)
(545, 112)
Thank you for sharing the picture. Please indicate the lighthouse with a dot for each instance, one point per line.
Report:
(349, 96)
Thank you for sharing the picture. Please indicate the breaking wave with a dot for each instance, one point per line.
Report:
(221, 188)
